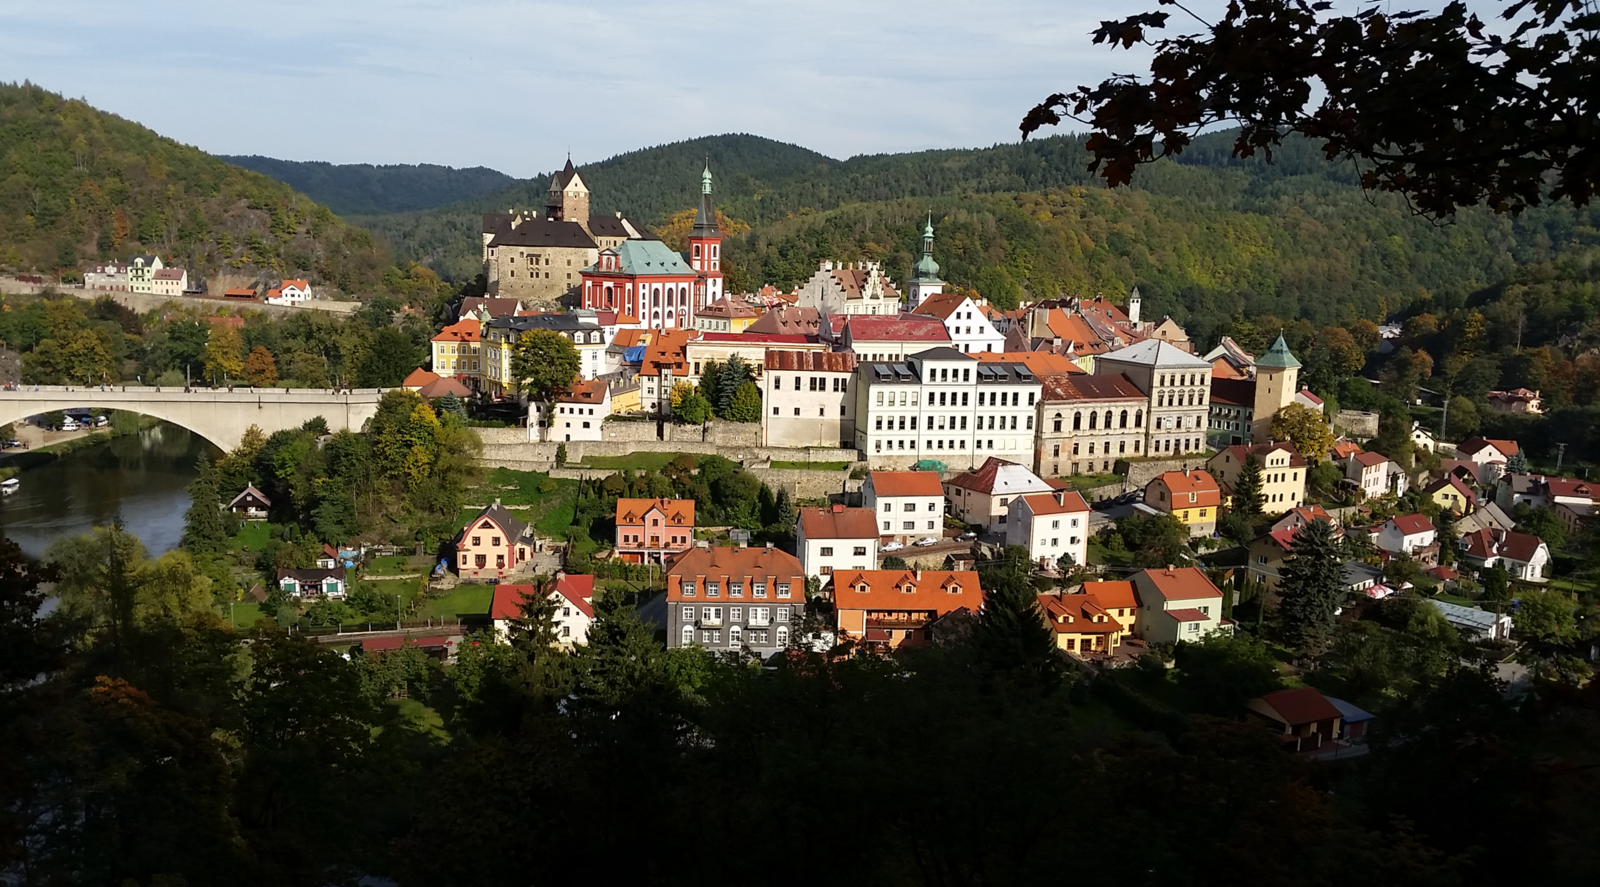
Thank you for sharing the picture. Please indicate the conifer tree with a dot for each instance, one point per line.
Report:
(1012, 634)
(1247, 492)
(204, 529)
(621, 660)
(1517, 463)
(746, 404)
(1313, 582)
(541, 667)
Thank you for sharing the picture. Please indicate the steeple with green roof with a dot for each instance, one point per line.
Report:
(925, 280)
(1278, 357)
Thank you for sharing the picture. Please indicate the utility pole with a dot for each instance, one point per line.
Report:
(1445, 419)
(1561, 450)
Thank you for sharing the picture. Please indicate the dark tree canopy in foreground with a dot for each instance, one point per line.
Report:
(1445, 109)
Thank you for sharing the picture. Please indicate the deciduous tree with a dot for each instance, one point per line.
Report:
(222, 354)
(261, 368)
(544, 363)
(1304, 427)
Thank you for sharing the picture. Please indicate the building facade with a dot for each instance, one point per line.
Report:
(1178, 385)
(492, 544)
(983, 497)
(810, 399)
(944, 406)
(889, 609)
(735, 599)
(1088, 422)
(841, 289)
(1192, 497)
(1050, 525)
(1283, 473)
(837, 538)
(908, 504)
(653, 530)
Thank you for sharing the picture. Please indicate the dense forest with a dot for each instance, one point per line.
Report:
(80, 184)
(354, 189)
(1205, 239)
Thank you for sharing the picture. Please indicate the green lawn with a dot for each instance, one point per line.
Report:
(1099, 554)
(635, 461)
(463, 600)
(1090, 481)
(252, 536)
(814, 466)
(553, 502)
(391, 566)
(1455, 599)
(245, 615)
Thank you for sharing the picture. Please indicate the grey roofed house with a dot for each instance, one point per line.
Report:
(557, 322)
(515, 529)
(619, 226)
(942, 353)
(1487, 516)
(1359, 576)
(1473, 621)
(1156, 353)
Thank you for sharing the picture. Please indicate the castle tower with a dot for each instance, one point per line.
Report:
(705, 247)
(568, 197)
(925, 280)
(1277, 382)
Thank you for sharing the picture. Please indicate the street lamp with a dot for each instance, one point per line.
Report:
(397, 612)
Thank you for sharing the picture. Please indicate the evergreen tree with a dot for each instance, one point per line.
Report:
(1517, 463)
(621, 660)
(541, 666)
(334, 518)
(1012, 634)
(1313, 582)
(711, 384)
(205, 530)
(731, 376)
(746, 404)
(1247, 491)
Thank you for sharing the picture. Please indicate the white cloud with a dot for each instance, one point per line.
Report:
(514, 85)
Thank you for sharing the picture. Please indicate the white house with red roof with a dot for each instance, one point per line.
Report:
(892, 338)
(574, 599)
(1517, 400)
(907, 504)
(965, 320)
(1303, 516)
(983, 497)
(290, 292)
(1489, 453)
(1177, 604)
(1520, 554)
(580, 412)
(810, 398)
(837, 538)
(1050, 525)
(1407, 534)
(1374, 474)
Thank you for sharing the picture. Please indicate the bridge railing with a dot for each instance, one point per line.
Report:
(136, 388)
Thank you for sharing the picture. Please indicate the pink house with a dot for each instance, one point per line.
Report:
(492, 544)
(653, 530)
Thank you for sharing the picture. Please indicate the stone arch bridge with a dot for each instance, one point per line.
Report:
(216, 414)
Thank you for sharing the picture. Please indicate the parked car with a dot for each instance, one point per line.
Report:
(925, 541)
(10, 444)
(968, 536)
(891, 546)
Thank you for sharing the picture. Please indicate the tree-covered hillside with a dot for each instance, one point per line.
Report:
(80, 184)
(356, 189)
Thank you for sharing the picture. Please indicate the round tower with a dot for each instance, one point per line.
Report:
(1277, 382)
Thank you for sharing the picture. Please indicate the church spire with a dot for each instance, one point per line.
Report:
(705, 218)
(926, 268)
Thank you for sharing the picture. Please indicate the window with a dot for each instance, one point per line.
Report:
(735, 636)
(909, 525)
(688, 614)
(735, 589)
(783, 589)
(887, 508)
(476, 541)
(783, 614)
(736, 614)
(713, 589)
(783, 636)
(827, 551)
(860, 551)
(688, 635)
(759, 589)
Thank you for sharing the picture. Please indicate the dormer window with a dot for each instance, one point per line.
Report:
(910, 589)
(862, 588)
(955, 589)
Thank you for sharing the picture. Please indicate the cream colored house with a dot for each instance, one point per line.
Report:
(1178, 604)
(1283, 473)
(983, 497)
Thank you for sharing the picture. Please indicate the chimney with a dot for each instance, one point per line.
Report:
(918, 574)
(497, 502)
(838, 509)
(1061, 497)
(743, 545)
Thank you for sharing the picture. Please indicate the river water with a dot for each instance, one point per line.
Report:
(143, 478)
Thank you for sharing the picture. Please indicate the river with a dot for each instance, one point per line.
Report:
(144, 478)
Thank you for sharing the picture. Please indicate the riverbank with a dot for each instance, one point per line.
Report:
(16, 461)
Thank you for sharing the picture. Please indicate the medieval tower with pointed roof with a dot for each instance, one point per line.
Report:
(705, 247)
(568, 197)
(925, 280)
(1277, 380)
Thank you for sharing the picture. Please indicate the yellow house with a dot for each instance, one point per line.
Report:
(1283, 473)
(1094, 620)
(1450, 494)
(1191, 496)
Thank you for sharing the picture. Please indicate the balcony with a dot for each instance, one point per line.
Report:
(713, 622)
(760, 622)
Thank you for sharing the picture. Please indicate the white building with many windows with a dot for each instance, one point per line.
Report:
(907, 504)
(945, 406)
(809, 399)
(836, 538)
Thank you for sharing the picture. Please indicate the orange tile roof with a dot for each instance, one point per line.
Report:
(1077, 614)
(666, 352)
(585, 392)
(1113, 595)
(1344, 449)
(467, 330)
(1043, 364)
(419, 377)
(1059, 502)
(1086, 387)
(1074, 329)
(838, 522)
(302, 284)
(906, 483)
(676, 512)
(721, 564)
(1178, 583)
(940, 306)
(1196, 481)
(939, 591)
(1301, 706)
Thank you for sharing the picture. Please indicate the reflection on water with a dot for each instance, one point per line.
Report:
(144, 478)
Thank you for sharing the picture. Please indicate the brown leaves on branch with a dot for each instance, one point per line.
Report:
(1433, 107)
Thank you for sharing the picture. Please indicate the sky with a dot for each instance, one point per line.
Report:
(516, 84)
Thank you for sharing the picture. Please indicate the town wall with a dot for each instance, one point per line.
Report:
(808, 483)
(1140, 473)
(144, 303)
(1357, 423)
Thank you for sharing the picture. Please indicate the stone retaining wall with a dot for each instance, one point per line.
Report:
(808, 483)
(1357, 423)
(146, 302)
(1139, 474)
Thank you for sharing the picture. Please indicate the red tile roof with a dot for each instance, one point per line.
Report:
(1413, 524)
(1076, 614)
(1197, 481)
(1473, 445)
(906, 483)
(788, 321)
(1306, 393)
(1242, 453)
(1301, 706)
(1343, 449)
(940, 306)
(1568, 488)
(989, 475)
(904, 328)
(810, 361)
(1450, 481)
(1370, 460)
(1234, 392)
(1489, 542)
(753, 338)
(746, 565)
(1060, 502)
(1085, 387)
(1187, 614)
(419, 377)
(1043, 364)
(838, 522)
(442, 387)
(593, 391)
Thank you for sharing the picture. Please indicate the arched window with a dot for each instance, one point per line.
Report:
(1124, 423)
(1058, 421)
(1108, 418)
(1092, 418)
(1138, 419)
(1077, 421)
(783, 635)
(688, 635)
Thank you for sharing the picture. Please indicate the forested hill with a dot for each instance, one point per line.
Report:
(364, 189)
(82, 184)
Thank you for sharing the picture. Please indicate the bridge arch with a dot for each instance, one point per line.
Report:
(218, 415)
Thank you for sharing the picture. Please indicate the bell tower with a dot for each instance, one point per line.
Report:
(568, 197)
(925, 280)
(1277, 382)
(705, 247)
